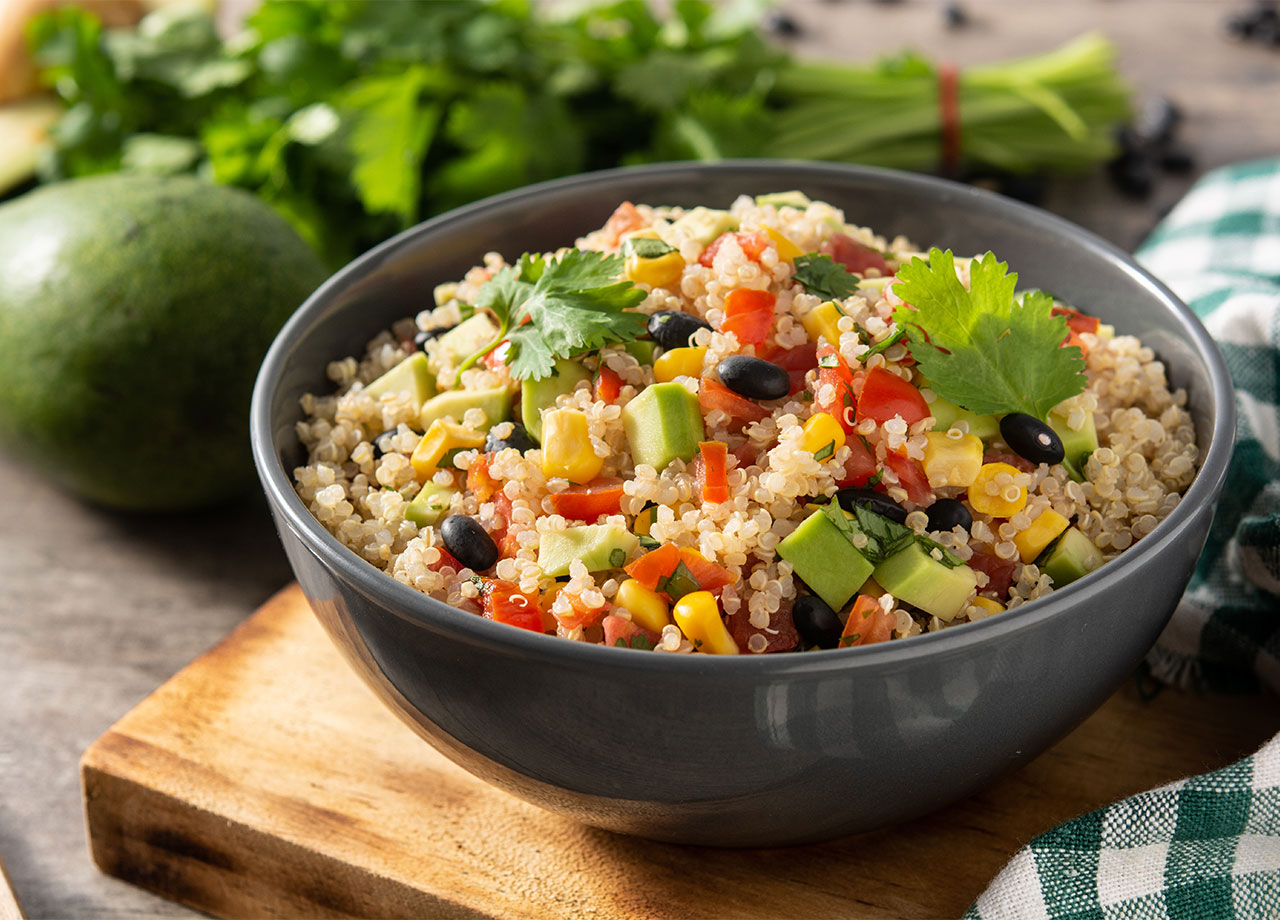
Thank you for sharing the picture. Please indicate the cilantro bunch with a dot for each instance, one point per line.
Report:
(355, 119)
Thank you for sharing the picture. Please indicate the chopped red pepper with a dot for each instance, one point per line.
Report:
(588, 502)
(713, 473)
(655, 564)
(608, 384)
(753, 244)
(712, 394)
(868, 623)
(624, 219)
(885, 394)
(748, 314)
(854, 256)
(1077, 321)
(503, 602)
(711, 576)
(479, 482)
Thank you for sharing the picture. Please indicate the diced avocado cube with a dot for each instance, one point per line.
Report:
(825, 560)
(947, 414)
(1073, 556)
(1076, 445)
(429, 505)
(536, 395)
(465, 339)
(705, 224)
(413, 374)
(495, 403)
(641, 349)
(792, 199)
(598, 546)
(912, 575)
(662, 423)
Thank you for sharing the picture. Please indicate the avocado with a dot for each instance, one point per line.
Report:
(429, 505)
(1073, 556)
(946, 414)
(1076, 445)
(791, 199)
(412, 374)
(463, 340)
(536, 395)
(825, 560)
(912, 575)
(705, 224)
(641, 349)
(663, 422)
(134, 313)
(495, 403)
(598, 546)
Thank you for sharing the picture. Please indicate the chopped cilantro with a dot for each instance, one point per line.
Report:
(824, 277)
(875, 478)
(679, 583)
(638, 641)
(875, 349)
(848, 640)
(648, 542)
(981, 348)
(575, 303)
(884, 537)
(645, 248)
(618, 558)
(826, 451)
(829, 361)
(477, 581)
(949, 559)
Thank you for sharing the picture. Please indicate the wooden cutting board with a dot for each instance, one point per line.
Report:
(266, 780)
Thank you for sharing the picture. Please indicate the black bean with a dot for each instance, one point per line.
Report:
(518, 438)
(468, 542)
(378, 449)
(954, 15)
(754, 378)
(1031, 438)
(1134, 175)
(1157, 118)
(872, 501)
(672, 328)
(816, 622)
(947, 513)
(780, 24)
(1177, 160)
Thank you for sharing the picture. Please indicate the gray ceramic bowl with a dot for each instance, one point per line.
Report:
(743, 751)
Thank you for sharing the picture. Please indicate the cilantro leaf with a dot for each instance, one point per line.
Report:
(884, 537)
(875, 349)
(824, 277)
(981, 348)
(679, 583)
(949, 559)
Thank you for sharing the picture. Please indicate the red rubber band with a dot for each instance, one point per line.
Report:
(949, 118)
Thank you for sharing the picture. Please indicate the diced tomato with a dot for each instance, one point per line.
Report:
(1077, 321)
(621, 631)
(503, 602)
(624, 219)
(999, 573)
(712, 474)
(712, 394)
(797, 362)
(709, 575)
(748, 314)
(753, 244)
(580, 615)
(655, 564)
(834, 394)
(497, 359)
(854, 256)
(608, 384)
(860, 466)
(587, 502)
(885, 394)
(911, 477)
(445, 561)
(1073, 338)
(868, 623)
(506, 536)
(746, 454)
(780, 636)
(479, 482)
(996, 456)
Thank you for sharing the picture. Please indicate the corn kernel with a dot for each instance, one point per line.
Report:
(442, 437)
(1043, 531)
(566, 446)
(698, 616)
(644, 520)
(663, 272)
(648, 609)
(952, 461)
(823, 435)
(787, 250)
(987, 604)
(996, 501)
(678, 362)
(822, 322)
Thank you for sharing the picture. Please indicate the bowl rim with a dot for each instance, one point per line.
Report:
(378, 587)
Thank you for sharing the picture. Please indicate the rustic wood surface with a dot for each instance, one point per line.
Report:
(97, 608)
(265, 780)
(10, 909)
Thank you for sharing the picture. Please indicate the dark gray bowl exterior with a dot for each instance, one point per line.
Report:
(747, 751)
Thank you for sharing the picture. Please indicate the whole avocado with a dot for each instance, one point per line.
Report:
(134, 313)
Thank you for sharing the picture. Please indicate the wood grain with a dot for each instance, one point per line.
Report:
(265, 780)
(10, 909)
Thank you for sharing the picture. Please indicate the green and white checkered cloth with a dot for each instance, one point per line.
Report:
(1208, 847)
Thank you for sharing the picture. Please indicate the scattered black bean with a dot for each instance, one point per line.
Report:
(754, 378)
(946, 513)
(779, 23)
(816, 622)
(468, 542)
(519, 438)
(673, 328)
(1031, 438)
(1158, 118)
(872, 501)
(1133, 174)
(1260, 23)
(378, 449)
(1177, 160)
(955, 16)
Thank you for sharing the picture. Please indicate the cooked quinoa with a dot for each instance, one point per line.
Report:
(364, 465)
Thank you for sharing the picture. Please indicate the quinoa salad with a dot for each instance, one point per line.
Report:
(753, 430)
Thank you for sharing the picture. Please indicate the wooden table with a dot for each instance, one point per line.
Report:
(98, 608)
